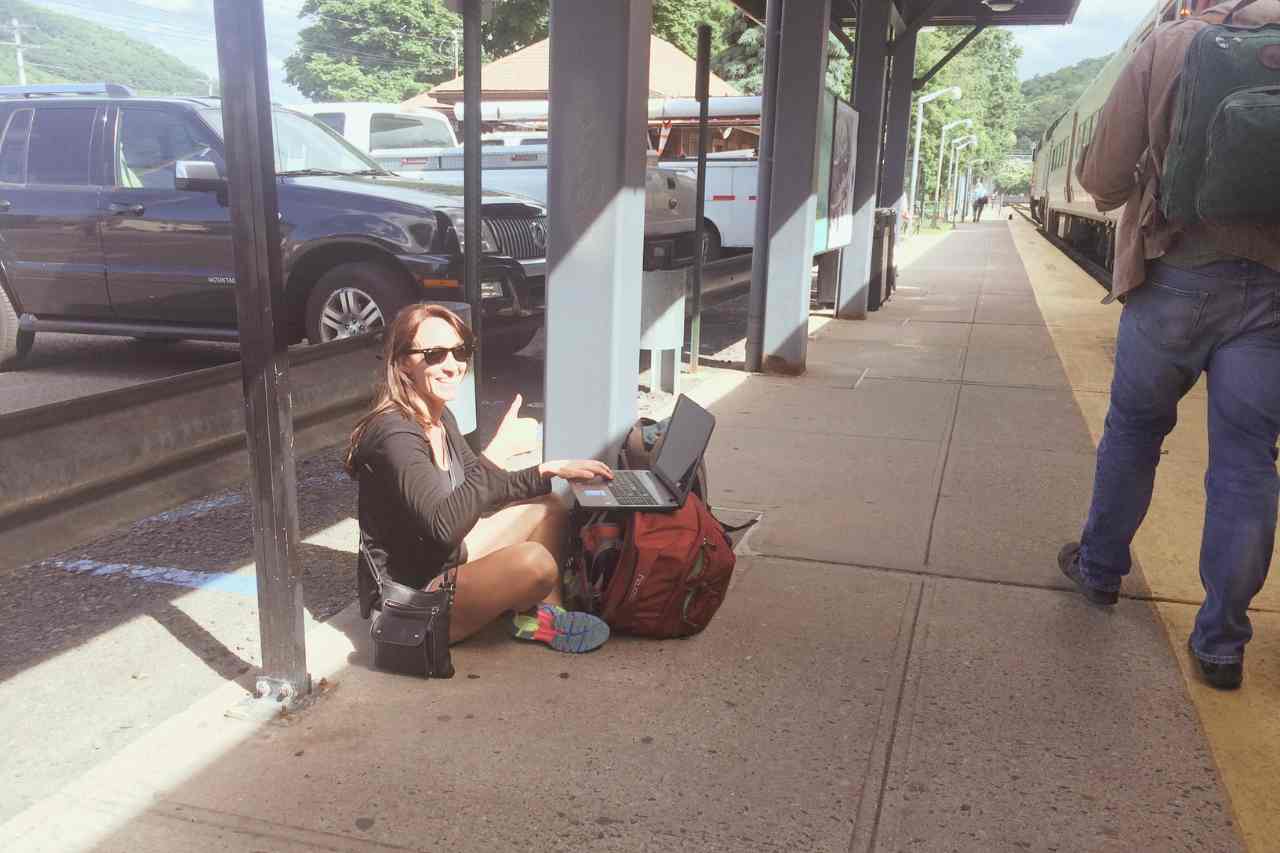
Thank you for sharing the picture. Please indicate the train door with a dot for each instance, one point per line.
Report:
(1071, 154)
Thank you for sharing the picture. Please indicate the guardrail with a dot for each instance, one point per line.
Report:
(73, 471)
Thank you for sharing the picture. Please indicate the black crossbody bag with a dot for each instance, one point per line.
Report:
(411, 629)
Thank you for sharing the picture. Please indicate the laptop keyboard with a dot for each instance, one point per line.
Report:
(628, 490)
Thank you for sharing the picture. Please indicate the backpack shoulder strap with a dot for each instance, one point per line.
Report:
(1237, 8)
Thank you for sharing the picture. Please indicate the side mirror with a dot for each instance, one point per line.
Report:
(198, 176)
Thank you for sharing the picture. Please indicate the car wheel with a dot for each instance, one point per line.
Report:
(14, 343)
(710, 243)
(354, 299)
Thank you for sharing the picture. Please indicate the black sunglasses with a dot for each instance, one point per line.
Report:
(462, 353)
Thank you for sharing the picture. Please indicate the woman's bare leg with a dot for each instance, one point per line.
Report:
(545, 521)
(515, 564)
(515, 577)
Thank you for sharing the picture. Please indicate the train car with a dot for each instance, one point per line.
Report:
(1059, 205)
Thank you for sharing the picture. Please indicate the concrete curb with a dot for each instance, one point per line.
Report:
(78, 469)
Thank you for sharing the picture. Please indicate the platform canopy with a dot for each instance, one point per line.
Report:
(948, 13)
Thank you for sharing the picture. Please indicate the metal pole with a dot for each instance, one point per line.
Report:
(968, 184)
(264, 357)
(703, 91)
(471, 165)
(915, 158)
(937, 196)
(17, 43)
(768, 126)
(954, 185)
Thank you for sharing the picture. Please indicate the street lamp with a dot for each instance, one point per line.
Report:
(954, 92)
(958, 146)
(942, 150)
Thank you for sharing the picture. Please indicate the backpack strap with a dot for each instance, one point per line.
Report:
(1237, 8)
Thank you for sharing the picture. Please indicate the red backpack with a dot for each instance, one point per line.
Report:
(671, 575)
(653, 574)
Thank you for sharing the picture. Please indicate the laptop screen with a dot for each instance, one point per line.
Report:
(683, 444)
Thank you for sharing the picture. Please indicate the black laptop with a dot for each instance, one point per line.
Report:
(666, 484)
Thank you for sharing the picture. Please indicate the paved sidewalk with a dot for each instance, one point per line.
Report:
(898, 666)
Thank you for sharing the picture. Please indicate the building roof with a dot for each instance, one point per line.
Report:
(525, 75)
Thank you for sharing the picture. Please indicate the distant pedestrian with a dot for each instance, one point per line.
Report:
(979, 201)
(1198, 298)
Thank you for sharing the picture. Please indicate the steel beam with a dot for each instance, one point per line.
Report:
(264, 315)
(764, 188)
(869, 81)
(471, 175)
(921, 82)
(802, 59)
(892, 179)
(596, 202)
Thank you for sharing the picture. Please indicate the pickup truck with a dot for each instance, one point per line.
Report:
(520, 168)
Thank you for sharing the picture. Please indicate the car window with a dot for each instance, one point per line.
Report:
(400, 131)
(59, 148)
(149, 144)
(13, 151)
(337, 121)
(305, 144)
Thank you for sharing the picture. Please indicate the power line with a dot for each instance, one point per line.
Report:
(18, 47)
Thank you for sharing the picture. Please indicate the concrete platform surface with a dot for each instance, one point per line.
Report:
(898, 666)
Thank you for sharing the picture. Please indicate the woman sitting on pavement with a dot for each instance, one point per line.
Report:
(435, 507)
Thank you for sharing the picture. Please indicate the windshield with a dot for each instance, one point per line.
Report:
(304, 145)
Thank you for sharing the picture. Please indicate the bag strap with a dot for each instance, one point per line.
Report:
(449, 584)
(1237, 8)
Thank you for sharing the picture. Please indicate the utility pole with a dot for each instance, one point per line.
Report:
(455, 54)
(19, 47)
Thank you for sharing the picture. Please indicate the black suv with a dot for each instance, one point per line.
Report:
(114, 221)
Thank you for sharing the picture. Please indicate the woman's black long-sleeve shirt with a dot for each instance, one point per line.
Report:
(408, 507)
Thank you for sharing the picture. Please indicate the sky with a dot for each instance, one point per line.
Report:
(185, 29)
(1099, 27)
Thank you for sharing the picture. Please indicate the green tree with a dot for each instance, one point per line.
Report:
(1013, 176)
(516, 24)
(741, 59)
(985, 71)
(372, 50)
(520, 23)
(1050, 95)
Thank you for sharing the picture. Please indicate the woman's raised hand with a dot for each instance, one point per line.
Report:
(575, 469)
(515, 435)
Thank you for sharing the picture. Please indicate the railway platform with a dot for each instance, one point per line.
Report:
(899, 665)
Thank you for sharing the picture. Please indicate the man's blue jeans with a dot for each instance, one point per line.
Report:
(1223, 319)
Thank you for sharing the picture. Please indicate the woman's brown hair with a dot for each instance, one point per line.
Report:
(396, 391)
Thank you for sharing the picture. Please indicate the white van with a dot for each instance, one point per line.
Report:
(399, 138)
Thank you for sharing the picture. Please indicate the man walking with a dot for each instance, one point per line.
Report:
(979, 201)
(1200, 296)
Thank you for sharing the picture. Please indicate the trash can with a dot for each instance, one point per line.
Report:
(463, 406)
(883, 279)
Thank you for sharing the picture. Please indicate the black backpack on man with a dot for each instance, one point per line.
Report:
(1223, 162)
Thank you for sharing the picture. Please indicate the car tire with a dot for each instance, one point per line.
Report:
(14, 343)
(710, 243)
(355, 298)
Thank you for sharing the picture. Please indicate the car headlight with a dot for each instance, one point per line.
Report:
(488, 243)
